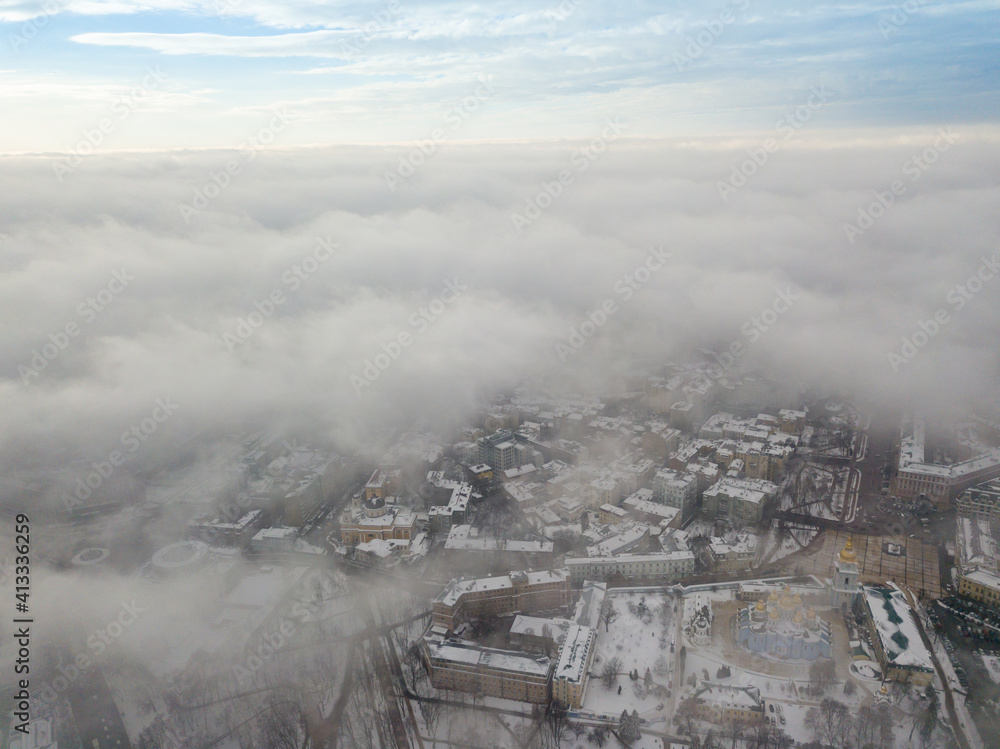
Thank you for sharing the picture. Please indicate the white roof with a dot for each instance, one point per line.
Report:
(574, 654)
(896, 629)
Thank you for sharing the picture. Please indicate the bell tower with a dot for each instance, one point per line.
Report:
(845, 577)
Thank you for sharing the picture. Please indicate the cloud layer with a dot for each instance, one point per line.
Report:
(198, 320)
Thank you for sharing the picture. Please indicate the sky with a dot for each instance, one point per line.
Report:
(171, 169)
(374, 72)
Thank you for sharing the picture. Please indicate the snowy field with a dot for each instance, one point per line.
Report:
(640, 637)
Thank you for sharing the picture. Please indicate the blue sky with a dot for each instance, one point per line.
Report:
(377, 72)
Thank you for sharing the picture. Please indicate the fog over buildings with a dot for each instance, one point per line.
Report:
(398, 375)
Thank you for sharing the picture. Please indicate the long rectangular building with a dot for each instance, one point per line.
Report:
(569, 681)
(518, 592)
(893, 632)
(467, 667)
(668, 565)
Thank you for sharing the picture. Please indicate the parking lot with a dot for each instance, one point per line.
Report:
(950, 617)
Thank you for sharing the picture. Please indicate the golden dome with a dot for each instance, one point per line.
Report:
(811, 614)
(786, 602)
(797, 599)
(847, 554)
(798, 617)
(761, 606)
(884, 689)
(774, 595)
(774, 613)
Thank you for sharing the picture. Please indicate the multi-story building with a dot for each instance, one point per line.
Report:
(791, 421)
(218, 533)
(739, 500)
(676, 489)
(628, 538)
(569, 680)
(498, 450)
(303, 499)
(467, 667)
(981, 501)
(518, 592)
(894, 635)
(733, 554)
(611, 515)
(939, 483)
(978, 553)
(722, 704)
(274, 540)
(641, 507)
(465, 545)
(661, 566)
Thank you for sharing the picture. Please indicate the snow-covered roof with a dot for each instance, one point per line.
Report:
(896, 628)
(575, 653)
(461, 651)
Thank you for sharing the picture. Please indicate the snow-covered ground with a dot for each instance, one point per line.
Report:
(797, 539)
(992, 664)
(641, 637)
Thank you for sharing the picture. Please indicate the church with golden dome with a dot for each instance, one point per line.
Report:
(782, 627)
(845, 588)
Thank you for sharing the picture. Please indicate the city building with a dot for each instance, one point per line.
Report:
(380, 553)
(569, 680)
(467, 667)
(629, 537)
(376, 519)
(894, 635)
(732, 554)
(676, 489)
(518, 592)
(791, 421)
(741, 501)
(722, 704)
(303, 499)
(271, 540)
(976, 557)
(498, 450)
(378, 485)
(611, 514)
(466, 545)
(642, 508)
(981, 501)
(218, 533)
(657, 567)
(939, 483)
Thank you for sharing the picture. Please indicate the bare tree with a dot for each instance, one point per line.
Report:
(430, 712)
(684, 716)
(608, 614)
(599, 735)
(822, 674)
(830, 722)
(556, 719)
(609, 674)
(734, 730)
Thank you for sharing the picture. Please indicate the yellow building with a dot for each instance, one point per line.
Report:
(377, 520)
(721, 704)
(569, 680)
(611, 515)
